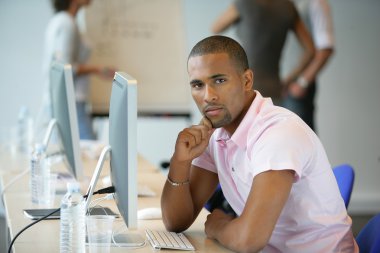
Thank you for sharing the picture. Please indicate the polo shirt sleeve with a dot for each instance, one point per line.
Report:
(205, 161)
(286, 146)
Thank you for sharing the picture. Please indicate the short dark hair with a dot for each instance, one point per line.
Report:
(222, 44)
(61, 5)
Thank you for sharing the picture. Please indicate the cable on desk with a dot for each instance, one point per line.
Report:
(110, 189)
(28, 226)
(96, 204)
(17, 177)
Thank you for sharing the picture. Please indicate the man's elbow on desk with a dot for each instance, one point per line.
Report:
(174, 226)
(247, 244)
(236, 233)
(174, 222)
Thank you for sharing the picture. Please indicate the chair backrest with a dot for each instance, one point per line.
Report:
(345, 176)
(369, 237)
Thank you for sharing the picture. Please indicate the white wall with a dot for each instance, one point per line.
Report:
(347, 117)
(22, 26)
(348, 103)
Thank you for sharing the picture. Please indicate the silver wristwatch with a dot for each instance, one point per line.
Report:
(302, 82)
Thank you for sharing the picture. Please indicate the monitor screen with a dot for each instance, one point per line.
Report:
(64, 115)
(123, 142)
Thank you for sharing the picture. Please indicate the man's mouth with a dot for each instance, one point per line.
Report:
(213, 111)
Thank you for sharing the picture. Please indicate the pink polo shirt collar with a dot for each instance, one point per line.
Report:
(240, 136)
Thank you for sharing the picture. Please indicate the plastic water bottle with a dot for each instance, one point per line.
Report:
(73, 230)
(24, 130)
(39, 173)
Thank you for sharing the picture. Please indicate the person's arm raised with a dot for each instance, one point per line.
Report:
(251, 231)
(228, 17)
(187, 187)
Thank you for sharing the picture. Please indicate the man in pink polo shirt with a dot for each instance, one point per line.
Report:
(271, 166)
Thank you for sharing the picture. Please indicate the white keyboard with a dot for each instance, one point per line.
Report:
(168, 240)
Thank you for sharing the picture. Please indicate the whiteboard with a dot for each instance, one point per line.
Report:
(146, 39)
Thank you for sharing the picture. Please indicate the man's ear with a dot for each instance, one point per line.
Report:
(248, 78)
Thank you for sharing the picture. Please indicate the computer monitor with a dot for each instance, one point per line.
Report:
(64, 117)
(123, 142)
(122, 148)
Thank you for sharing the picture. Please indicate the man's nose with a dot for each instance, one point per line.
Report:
(210, 93)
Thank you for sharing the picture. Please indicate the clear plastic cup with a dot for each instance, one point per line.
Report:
(99, 233)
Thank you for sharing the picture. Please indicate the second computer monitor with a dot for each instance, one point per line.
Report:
(123, 142)
(64, 116)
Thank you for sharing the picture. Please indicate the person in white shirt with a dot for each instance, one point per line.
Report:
(63, 43)
(271, 166)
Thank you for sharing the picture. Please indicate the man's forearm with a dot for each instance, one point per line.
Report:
(316, 65)
(176, 200)
(305, 60)
(187, 188)
(225, 20)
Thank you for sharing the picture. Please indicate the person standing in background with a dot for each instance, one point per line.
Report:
(262, 27)
(63, 43)
(301, 85)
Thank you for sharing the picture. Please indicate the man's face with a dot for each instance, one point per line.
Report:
(218, 89)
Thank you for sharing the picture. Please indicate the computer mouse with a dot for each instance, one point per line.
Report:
(150, 213)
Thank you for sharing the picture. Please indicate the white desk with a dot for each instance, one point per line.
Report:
(44, 236)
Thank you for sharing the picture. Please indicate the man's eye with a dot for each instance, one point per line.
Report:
(196, 85)
(219, 81)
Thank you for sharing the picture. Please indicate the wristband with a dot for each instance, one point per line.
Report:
(176, 184)
(302, 82)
